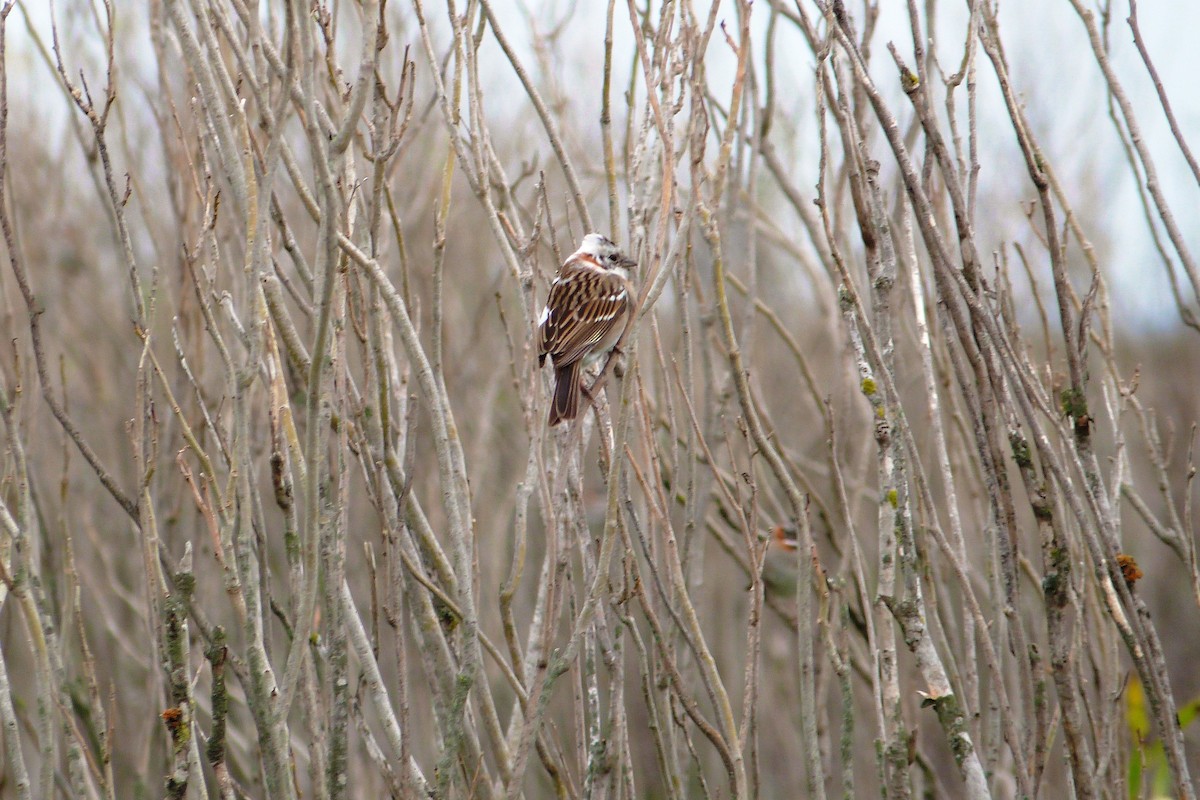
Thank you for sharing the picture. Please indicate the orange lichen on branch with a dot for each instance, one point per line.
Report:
(173, 716)
(1129, 569)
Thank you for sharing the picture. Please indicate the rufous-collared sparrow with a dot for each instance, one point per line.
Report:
(590, 304)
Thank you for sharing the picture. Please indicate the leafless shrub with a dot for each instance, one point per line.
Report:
(871, 501)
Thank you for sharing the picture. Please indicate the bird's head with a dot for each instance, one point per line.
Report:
(605, 253)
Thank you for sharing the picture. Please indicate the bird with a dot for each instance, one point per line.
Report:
(779, 572)
(589, 306)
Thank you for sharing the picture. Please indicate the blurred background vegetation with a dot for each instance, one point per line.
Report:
(281, 514)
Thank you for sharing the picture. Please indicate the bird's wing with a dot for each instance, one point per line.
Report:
(580, 312)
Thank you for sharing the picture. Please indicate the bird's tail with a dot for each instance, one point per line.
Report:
(566, 393)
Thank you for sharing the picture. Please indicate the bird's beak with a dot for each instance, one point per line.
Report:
(627, 262)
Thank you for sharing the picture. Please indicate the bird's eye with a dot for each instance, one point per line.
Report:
(612, 256)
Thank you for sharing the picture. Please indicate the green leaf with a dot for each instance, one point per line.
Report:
(1134, 781)
(1136, 715)
(1188, 714)
(1150, 757)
